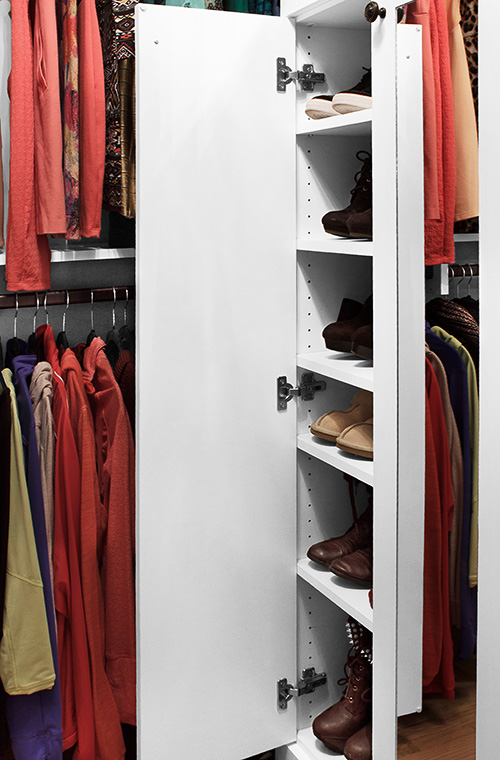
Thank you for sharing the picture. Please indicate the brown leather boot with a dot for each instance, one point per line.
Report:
(334, 726)
(338, 335)
(356, 567)
(335, 222)
(359, 536)
(359, 746)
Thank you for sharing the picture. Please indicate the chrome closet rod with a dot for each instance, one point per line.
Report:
(463, 270)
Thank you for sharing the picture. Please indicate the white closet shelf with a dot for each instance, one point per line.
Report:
(347, 368)
(350, 598)
(359, 468)
(346, 14)
(358, 123)
(333, 244)
(60, 255)
(308, 747)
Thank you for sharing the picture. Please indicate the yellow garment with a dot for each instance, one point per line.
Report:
(26, 663)
(466, 145)
(474, 446)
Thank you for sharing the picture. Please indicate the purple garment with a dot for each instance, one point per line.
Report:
(459, 396)
(34, 720)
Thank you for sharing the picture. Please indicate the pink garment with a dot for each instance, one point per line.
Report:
(439, 130)
(27, 254)
(92, 119)
(49, 183)
(116, 471)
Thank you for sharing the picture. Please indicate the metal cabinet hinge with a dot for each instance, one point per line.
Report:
(308, 683)
(307, 78)
(306, 389)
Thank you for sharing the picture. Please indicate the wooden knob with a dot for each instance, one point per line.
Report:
(372, 12)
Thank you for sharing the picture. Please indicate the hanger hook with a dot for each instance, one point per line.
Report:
(114, 308)
(64, 312)
(92, 309)
(470, 279)
(461, 279)
(36, 312)
(45, 307)
(125, 307)
(15, 316)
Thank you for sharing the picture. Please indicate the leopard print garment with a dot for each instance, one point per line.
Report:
(469, 13)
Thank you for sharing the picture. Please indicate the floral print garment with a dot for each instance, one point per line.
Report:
(68, 11)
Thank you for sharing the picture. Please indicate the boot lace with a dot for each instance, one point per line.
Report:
(362, 177)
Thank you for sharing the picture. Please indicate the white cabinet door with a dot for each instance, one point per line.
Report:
(216, 327)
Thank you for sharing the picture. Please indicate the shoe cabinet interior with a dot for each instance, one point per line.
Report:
(234, 267)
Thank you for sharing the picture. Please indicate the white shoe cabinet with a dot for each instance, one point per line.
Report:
(238, 278)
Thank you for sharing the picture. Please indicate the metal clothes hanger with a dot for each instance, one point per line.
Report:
(62, 340)
(32, 343)
(92, 334)
(113, 338)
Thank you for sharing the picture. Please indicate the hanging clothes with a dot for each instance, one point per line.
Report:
(49, 180)
(116, 472)
(439, 130)
(438, 673)
(459, 397)
(5, 427)
(457, 479)
(466, 144)
(471, 547)
(74, 666)
(469, 23)
(108, 734)
(125, 377)
(35, 719)
(2, 240)
(41, 399)
(457, 321)
(92, 119)
(71, 125)
(27, 254)
(26, 663)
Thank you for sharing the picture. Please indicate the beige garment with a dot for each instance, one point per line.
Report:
(41, 397)
(457, 478)
(466, 144)
(26, 663)
(2, 240)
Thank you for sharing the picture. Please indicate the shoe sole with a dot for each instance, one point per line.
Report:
(364, 584)
(318, 562)
(320, 113)
(352, 450)
(363, 351)
(345, 346)
(347, 102)
(324, 436)
(335, 745)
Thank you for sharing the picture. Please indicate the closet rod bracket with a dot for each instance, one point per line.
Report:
(307, 78)
(307, 684)
(306, 389)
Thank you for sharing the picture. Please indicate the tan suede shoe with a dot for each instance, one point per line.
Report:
(358, 439)
(330, 425)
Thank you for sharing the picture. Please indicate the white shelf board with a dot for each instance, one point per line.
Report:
(348, 14)
(347, 368)
(314, 748)
(359, 468)
(60, 255)
(334, 244)
(357, 123)
(346, 595)
(468, 237)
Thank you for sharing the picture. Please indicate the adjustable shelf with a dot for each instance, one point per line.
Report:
(62, 255)
(356, 123)
(359, 468)
(347, 368)
(350, 598)
(332, 244)
(310, 748)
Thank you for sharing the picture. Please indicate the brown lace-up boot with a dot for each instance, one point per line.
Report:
(335, 222)
(359, 536)
(338, 723)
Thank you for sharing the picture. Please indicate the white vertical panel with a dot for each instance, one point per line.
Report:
(385, 320)
(216, 327)
(411, 395)
(488, 663)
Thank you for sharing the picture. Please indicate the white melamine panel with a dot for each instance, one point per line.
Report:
(357, 123)
(216, 316)
(347, 368)
(350, 598)
(335, 244)
(327, 452)
(488, 663)
(411, 394)
(346, 14)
